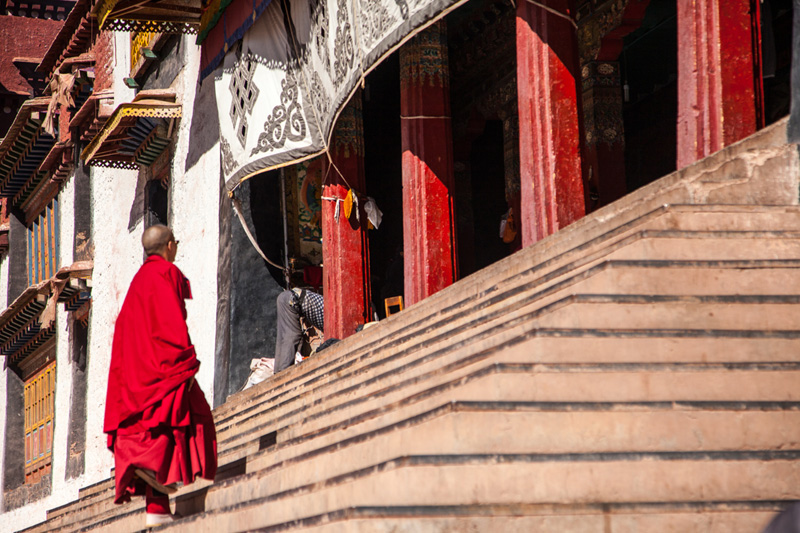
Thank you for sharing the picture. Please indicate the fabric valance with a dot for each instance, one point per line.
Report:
(280, 89)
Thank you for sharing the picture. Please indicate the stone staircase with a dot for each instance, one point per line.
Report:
(638, 371)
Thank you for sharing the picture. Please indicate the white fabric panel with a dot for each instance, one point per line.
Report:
(279, 92)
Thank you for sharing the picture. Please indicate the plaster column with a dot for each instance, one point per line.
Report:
(345, 250)
(716, 76)
(428, 176)
(551, 180)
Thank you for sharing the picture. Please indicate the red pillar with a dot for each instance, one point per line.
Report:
(716, 79)
(551, 179)
(428, 215)
(345, 250)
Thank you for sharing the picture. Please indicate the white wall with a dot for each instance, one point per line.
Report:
(194, 215)
(117, 227)
(117, 257)
(62, 491)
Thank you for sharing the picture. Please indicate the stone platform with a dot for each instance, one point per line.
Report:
(636, 372)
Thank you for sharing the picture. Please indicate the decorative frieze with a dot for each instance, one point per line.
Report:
(602, 103)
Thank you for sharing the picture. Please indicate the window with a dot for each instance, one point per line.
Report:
(43, 245)
(156, 202)
(39, 407)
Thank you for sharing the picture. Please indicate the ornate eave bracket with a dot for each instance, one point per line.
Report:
(173, 16)
(136, 133)
(29, 322)
(23, 150)
(21, 331)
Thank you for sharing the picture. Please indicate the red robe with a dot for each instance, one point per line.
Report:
(157, 418)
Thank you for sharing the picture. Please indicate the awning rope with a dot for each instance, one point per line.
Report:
(237, 206)
(554, 12)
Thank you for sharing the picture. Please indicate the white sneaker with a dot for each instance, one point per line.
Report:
(153, 520)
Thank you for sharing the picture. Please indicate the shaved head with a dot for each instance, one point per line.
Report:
(155, 239)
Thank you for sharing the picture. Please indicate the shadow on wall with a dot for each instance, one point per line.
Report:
(137, 208)
(247, 287)
(204, 131)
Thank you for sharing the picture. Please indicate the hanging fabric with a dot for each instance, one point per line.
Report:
(279, 93)
(374, 215)
(348, 204)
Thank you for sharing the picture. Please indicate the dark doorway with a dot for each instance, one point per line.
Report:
(776, 57)
(384, 179)
(649, 67)
(488, 194)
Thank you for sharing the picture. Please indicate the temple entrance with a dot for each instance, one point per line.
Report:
(649, 75)
(776, 54)
(483, 97)
(383, 168)
(489, 204)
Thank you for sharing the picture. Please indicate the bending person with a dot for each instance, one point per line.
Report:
(292, 305)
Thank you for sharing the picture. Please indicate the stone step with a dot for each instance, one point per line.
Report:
(700, 246)
(530, 262)
(561, 428)
(648, 242)
(482, 385)
(509, 479)
(757, 277)
(735, 312)
(317, 370)
(512, 265)
(672, 347)
(730, 277)
(484, 382)
(563, 346)
(96, 496)
(84, 499)
(677, 517)
(729, 218)
(627, 382)
(568, 428)
(535, 262)
(522, 340)
(96, 502)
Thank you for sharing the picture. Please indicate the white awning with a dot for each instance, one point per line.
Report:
(280, 90)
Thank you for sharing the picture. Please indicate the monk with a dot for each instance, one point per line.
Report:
(159, 425)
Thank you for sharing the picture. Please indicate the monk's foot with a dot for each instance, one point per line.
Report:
(153, 520)
(149, 477)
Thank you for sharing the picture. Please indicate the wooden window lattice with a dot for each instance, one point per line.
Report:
(139, 41)
(43, 245)
(39, 410)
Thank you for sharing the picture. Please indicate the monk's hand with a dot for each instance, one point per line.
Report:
(191, 382)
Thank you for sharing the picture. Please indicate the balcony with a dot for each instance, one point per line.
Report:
(173, 16)
(136, 133)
